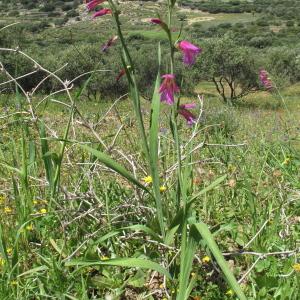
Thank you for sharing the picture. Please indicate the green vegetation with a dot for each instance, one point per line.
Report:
(78, 44)
(106, 193)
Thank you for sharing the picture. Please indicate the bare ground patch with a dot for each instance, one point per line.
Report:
(200, 19)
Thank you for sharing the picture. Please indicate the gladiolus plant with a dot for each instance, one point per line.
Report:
(174, 225)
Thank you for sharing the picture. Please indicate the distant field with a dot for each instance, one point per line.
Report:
(107, 192)
(137, 16)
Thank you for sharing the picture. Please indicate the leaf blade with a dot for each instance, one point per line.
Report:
(113, 165)
(123, 262)
(212, 245)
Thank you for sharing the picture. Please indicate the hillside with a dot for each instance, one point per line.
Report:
(259, 23)
(149, 159)
(60, 32)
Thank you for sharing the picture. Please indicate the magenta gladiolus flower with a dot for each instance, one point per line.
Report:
(265, 79)
(102, 12)
(188, 106)
(184, 111)
(109, 43)
(156, 21)
(121, 74)
(190, 52)
(168, 88)
(92, 4)
(159, 22)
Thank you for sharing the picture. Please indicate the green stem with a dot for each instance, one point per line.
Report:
(181, 191)
(170, 13)
(132, 80)
(61, 155)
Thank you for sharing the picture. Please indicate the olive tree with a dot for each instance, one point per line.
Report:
(231, 68)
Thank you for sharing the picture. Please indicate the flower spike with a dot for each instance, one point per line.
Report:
(168, 88)
(102, 12)
(265, 79)
(184, 111)
(92, 4)
(121, 74)
(109, 43)
(190, 52)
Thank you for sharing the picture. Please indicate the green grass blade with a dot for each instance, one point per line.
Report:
(11, 168)
(144, 229)
(34, 271)
(153, 148)
(56, 179)
(113, 165)
(170, 235)
(46, 158)
(212, 245)
(186, 268)
(3, 252)
(106, 237)
(208, 188)
(123, 262)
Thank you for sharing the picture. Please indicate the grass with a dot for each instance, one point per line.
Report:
(260, 195)
(82, 219)
(208, 20)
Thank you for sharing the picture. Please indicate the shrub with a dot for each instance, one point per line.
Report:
(230, 67)
(48, 7)
(260, 41)
(284, 63)
(72, 14)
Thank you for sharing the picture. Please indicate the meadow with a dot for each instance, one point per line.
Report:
(106, 192)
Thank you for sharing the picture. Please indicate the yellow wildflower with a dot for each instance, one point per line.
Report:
(162, 189)
(193, 274)
(9, 251)
(286, 161)
(89, 270)
(13, 282)
(7, 209)
(2, 199)
(206, 259)
(43, 211)
(296, 267)
(2, 262)
(104, 257)
(147, 179)
(35, 202)
(29, 227)
(161, 286)
(231, 168)
(229, 293)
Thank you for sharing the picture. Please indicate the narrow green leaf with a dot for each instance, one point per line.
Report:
(154, 125)
(212, 245)
(145, 229)
(186, 268)
(153, 148)
(123, 262)
(45, 150)
(56, 179)
(11, 168)
(34, 271)
(170, 234)
(106, 237)
(113, 165)
(208, 188)
(3, 248)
